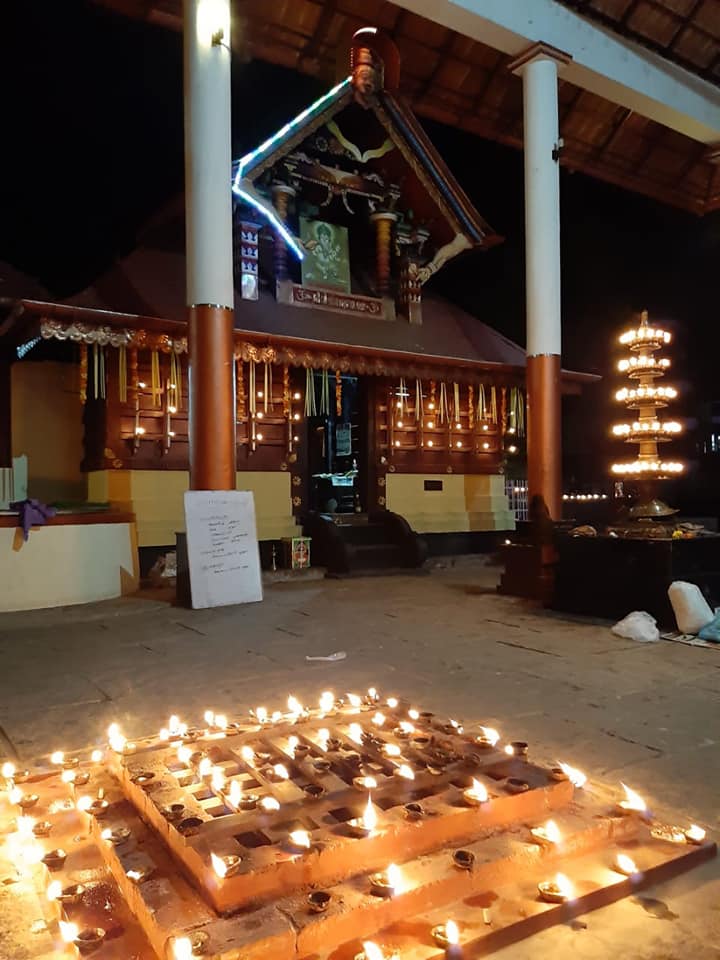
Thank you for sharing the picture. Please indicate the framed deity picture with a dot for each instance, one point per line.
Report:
(326, 262)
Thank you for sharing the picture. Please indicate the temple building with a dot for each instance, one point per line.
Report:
(357, 389)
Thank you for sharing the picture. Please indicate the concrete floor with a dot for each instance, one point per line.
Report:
(644, 713)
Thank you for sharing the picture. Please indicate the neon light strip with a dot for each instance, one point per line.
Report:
(272, 217)
(265, 145)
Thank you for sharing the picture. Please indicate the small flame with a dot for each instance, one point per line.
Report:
(116, 739)
(221, 721)
(406, 727)
(327, 701)
(15, 795)
(509, 750)
(294, 706)
(182, 948)
(394, 876)
(633, 800)
(372, 693)
(218, 779)
(183, 754)
(452, 933)
(392, 702)
(261, 714)
(248, 754)
(300, 838)
(84, 803)
(372, 951)
(479, 790)
(269, 803)
(164, 734)
(68, 931)
(96, 756)
(405, 771)
(25, 826)
(67, 776)
(8, 770)
(370, 816)
(490, 734)
(236, 792)
(414, 714)
(354, 700)
(106, 834)
(134, 875)
(576, 777)
(57, 758)
(209, 718)
(54, 890)
(174, 724)
(369, 783)
(323, 737)
(625, 863)
(563, 884)
(281, 771)
(218, 865)
(205, 767)
(552, 833)
(355, 732)
(392, 750)
(458, 726)
(276, 716)
(695, 833)
(378, 719)
(293, 743)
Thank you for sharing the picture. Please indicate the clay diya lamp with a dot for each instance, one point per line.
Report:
(623, 864)
(225, 866)
(557, 773)
(70, 763)
(385, 883)
(514, 785)
(695, 834)
(301, 751)
(558, 890)
(98, 808)
(42, 828)
(81, 778)
(322, 766)
(89, 939)
(664, 831)
(143, 778)
(173, 811)
(319, 901)
(140, 875)
(21, 776)
(119, 835)
(27, 801)
(464, 859)
(365, 783)
(190, 826)
(248, 801)
(476, 794)
(313, 791)
(517, 748)
(446, 935)
(413, 811)
(55, 859)
(72, 893)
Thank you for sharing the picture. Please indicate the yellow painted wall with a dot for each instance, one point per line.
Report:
(156, 499)
(47, 426)
(65, 564)
(465, 503)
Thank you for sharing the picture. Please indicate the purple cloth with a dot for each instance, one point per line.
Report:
(32, 513)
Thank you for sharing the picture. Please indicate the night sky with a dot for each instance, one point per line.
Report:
(93, 147)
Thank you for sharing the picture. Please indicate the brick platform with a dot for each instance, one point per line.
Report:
(146, 857)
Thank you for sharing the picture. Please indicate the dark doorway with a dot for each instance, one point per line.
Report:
(337, 447)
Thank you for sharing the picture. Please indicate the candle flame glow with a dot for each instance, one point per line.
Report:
(414, 714)
(294, 706)
(115, 738)
(479, 791)
(281, 771)
(355, 732)
(695, 833)
(406, 727)
(394, 876)
(378, 719)
(626, 864)
(209, 718)
(106, 834)
(54, 890)
(67, 776)
(57, 758)
(509, 750)
(218, 865)
(372, 693)
(96, 756)
(370, 816)
(15, 795)
(392, 702)
(576, 777)
(563, 884)
(247, 753)
(68, 931)
(323, 737)
(551, 831)
(84, 803)
(218, 779)
(205, 767)
(236, 792)
(164, 734)
(372, 951)
(327, 701)
(261, 714)
(221, 721)
(354, 700)
(369, 783)
(300, 838)
(8, 770)
(405, 771)
(292, 745)
(452, 933)
(633, 800)
(182, 948)
(269, 803)
(183, 754)
(490, 734)
(25, 826)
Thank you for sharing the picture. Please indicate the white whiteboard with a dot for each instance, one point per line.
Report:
(222, 546)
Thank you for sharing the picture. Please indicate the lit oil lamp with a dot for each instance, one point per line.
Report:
(487, 737)
(26, 801)
(392, 702)
(371, 951)
(225, 866)
(68, 931)
(625, 865)
(8, 770)
(280, 772)
(241, 800)
(295, 707)
(89, 939)
(364, 783)
(96, 756)
(404, 771)
(327, 702)
(194, 945)
(116, 836)
(392, 750)
(261, 714)
(404, 729)
(299, 840)
(73, 893)
(319, 901)
(42, 828)
(633, 802)
(518, 748)
(269, 804)
(372, 696)
(378, 719)
(323, 736)
(57, 758)
(695, 834)
(141, 875)
(55, 859)
(355, 732)
(446, 934)
(183, 754)
(117, 740)
(558, 890)
(387, 882)
(475, 794)
(364, 826)
(548, 835)
(414, 714)
(205, 768)
(564, 771)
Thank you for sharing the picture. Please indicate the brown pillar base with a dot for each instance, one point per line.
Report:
(544, 435)
(212, 397)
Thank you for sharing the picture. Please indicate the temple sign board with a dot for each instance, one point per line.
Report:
(222, 546)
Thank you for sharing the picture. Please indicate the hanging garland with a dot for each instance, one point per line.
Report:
(240, 399)
(310, 407)
(286, 391)
(133, 374)
(503, 409)
(83, 373)
(471, 408)
(432, 394)
(122, 374)
(338, 395)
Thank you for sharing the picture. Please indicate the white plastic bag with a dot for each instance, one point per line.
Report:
(690, 607)
(638, 625)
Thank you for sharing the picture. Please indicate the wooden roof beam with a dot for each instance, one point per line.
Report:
(604, 63)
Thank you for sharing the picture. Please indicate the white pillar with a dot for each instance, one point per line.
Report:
(209, 251)
(208, 153)
(539, 70)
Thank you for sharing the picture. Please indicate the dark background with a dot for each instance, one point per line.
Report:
(93, 146)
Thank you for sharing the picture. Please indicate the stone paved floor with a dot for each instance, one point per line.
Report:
(647, 714)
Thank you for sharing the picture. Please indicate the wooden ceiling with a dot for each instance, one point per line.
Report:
(457, 81)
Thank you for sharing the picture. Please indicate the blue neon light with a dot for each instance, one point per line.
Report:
(245, 161)
(268, 212)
